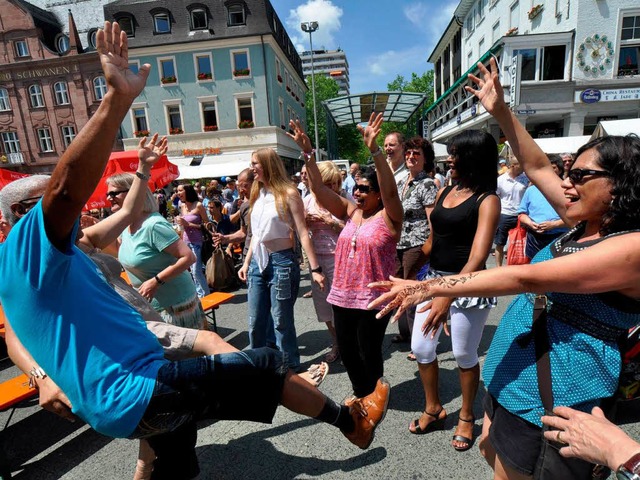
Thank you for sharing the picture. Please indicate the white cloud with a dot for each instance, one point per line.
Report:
(328, 17)
(416, 13)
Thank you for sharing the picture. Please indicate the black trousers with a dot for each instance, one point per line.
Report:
(360, 335)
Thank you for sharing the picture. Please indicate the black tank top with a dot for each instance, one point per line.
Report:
(453, 231)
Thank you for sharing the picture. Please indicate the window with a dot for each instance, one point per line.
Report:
(139, 119)
(68, 134)
(278, 75)
(22, 48)
(10, 142)
(62, 43)
(495, 32)
(469, 64)
(126, 25)
(468, 24)
(240, 63)
(209, 116)
(204, 67)
(61, 93)
(167, 70)
(245, 111)
(481, 47)
(35, 95)
(5, 104)
(481, 6)
(161, 23)
(44, 139)
(199, 20)
(99, 87)
(174, 118)
(91, 37)
(629, 46)
(543, 63)
(514, 15)
(236, 15)
(281, 112)
(134, 66)
(528, 64)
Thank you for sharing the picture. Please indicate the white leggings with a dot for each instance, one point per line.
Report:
(466, 328)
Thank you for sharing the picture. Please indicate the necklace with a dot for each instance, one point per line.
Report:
(354, 238)
(459, 191)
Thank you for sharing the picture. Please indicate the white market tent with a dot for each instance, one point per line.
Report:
(561, 144)
(617, 127)
(440, 149)
(212, 166)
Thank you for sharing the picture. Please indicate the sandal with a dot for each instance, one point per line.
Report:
(466, 440)
(309, 294)
(398, 339)
(316, 374)
(411, 357)
(432, 426)
(333, 355)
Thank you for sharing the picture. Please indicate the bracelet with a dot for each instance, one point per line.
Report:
(143, 176)
(377, 152)
(160, 282)
(36, 372)
(307, 156)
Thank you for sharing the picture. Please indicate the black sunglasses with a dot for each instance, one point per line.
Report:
(115, 193)
(576, 175)
(28, 203)
(362, 188)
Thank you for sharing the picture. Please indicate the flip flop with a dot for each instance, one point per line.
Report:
(333, 355)
(316, 373)
(309, 294)
(398, 339)
(411, 357)
(436, 424)
(462, 439)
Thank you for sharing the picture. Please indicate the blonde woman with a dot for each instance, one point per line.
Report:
(325, 230)
(270, 267)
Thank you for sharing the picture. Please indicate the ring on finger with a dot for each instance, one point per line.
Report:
(559, 438)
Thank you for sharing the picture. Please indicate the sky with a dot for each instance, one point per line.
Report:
(382, 38)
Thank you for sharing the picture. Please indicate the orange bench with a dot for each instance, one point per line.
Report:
(210, 304)
(14, 391)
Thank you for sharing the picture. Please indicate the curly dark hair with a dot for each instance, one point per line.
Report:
(476, 154)
(423, 144)
(369, 174)
(556, 160)
(621, 157)
(190, 194)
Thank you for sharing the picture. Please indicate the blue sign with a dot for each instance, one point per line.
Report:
(590, 96)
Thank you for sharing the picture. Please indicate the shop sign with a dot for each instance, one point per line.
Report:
(194, 152)
(590, 96)
(610, 95)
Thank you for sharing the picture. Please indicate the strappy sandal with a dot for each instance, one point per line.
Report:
(466, 440)
(434, 425)
(333, 354)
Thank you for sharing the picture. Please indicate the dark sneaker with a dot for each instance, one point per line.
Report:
(367, 413)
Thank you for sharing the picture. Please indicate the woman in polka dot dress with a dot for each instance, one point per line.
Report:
(590, 277)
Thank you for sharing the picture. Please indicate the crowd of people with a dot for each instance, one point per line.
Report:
(393, 241)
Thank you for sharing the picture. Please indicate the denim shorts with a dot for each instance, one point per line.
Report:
(521, 447)
(506, 223)
(230, 386)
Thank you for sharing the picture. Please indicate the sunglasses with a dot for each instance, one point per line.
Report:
(28, 203)
(115, 193)
(362, 188)
(576, 175)
(412, 153)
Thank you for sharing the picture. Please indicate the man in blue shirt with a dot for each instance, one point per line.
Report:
(96, 347)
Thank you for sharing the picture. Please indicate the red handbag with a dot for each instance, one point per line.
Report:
(516, 252)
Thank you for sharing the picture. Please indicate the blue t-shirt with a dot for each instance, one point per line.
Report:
(91, 342)
(537, 207)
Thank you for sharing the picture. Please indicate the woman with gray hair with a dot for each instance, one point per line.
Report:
(156, 259)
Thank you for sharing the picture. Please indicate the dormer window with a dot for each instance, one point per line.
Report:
(126, 25)
(161, 23)
(199, 19)
(62, 43)
(236, 15)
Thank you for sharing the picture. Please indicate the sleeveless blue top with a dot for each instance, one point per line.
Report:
(584, 369)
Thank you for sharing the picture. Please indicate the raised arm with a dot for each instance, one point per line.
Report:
(534, 161)
(104, 233)
(80, 168)
(338, 206)
(388, 188)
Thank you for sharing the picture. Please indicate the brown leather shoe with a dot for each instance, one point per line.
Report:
(367, 413)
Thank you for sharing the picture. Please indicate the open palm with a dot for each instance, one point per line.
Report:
(491, 93)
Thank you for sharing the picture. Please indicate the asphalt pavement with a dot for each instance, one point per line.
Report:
(42, 446)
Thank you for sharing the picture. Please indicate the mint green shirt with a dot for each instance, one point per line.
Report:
(142, 255)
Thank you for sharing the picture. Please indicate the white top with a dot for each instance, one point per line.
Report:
(266, 225)
(510, 192)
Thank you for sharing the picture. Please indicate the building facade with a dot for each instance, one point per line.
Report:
(330, 63)
(49, 87)
(565, 65)
(225, 77)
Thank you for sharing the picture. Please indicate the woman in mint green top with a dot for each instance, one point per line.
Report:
(156, 259)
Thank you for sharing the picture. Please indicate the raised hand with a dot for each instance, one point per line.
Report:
(150, 153)
(491, 93)
(112, 46)
(299, 136)
(371, 131)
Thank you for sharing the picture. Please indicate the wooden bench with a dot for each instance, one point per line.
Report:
(210, 304)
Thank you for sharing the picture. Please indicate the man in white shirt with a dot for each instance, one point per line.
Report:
(510, 192)
(394, 148)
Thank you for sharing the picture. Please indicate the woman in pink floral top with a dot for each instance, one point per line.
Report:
(366, 250)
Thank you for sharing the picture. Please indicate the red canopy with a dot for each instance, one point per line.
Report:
(8, 176)
(162, 173)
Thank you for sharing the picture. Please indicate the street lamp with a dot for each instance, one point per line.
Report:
(311, 27)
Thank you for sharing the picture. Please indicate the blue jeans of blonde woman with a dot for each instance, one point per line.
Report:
(271, 295)
(202, 288)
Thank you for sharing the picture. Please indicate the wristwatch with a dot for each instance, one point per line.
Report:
(629, 470)
(318, 269)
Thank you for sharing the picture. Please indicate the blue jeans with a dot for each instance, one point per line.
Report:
(274, 291)
(202, 288)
